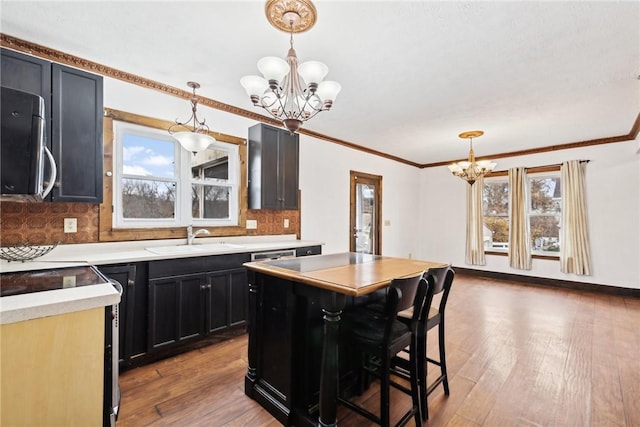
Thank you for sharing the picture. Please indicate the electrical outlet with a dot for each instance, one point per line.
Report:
(68, 281)
(252, 224)
(286, 223)
(71, 225)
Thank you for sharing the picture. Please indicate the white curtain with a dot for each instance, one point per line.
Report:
(519, 235)
(475, 223)
(574, 237)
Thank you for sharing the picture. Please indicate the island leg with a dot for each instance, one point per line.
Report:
(332, 306)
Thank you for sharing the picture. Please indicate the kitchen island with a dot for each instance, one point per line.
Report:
(294, 314)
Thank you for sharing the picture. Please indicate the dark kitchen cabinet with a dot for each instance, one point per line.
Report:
(226, 299)
(192, 298)
(132, 309)
(74, 110)
(176, 310)
(27, 73)
(273, 168)
(76, 141)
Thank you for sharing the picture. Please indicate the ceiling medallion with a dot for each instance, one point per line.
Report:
(282, 13)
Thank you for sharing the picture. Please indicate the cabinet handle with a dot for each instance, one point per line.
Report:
(203, 287)
(309, 252)
(130, 283)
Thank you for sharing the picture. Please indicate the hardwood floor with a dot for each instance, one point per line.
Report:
(517, 355)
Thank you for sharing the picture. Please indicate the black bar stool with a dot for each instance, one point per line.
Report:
(378, 336)
(442, 279)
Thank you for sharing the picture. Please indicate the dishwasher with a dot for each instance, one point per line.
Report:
(271, 255)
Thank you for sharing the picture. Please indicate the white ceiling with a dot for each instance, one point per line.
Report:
(414, 74)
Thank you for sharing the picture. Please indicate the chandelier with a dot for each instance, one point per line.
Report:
(471, 170)
(291, 93)
(193, 137)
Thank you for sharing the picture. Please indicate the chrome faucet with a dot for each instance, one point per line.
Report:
(191, 235)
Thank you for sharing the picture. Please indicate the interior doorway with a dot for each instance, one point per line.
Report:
(365, 213)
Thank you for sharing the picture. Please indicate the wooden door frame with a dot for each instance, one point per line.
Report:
(354, 176)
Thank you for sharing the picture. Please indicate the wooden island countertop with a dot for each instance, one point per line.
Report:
(348, 273)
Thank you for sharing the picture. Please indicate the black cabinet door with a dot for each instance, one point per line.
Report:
(76, 130)
(227, 300)
(176, 310)
(271, 174)
(273, 168)
(28, 73)
(73, 129)
(217, 301)
(125, 275)
(288, 171)
(274, 339)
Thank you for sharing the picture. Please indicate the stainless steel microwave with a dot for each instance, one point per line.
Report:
(23, 147)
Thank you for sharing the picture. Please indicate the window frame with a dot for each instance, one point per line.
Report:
(183, 180)
(537, 172)
(531, 214)
(120, 128)
(109, 233)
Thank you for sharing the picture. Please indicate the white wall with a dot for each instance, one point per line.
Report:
(325, 185)
(613, 203)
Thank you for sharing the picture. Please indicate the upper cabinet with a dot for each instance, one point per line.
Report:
(73, 103)
(273, 168)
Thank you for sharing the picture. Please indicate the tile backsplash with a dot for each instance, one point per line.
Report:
(43, 223)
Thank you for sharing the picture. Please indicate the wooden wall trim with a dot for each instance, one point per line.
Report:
(107, 233)
(558, 283)
(35, 49)
(620, 138)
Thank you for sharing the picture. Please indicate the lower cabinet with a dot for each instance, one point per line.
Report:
(188, 307)
(169, 305)
(226, 302)
(176, 309)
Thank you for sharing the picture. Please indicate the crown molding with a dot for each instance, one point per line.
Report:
(54, 55)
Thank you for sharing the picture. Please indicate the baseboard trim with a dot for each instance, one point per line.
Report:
(558, 283)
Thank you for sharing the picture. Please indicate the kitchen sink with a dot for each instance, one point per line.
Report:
(194, 248)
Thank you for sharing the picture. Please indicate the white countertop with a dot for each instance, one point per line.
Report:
(133, 251)
(16, 308)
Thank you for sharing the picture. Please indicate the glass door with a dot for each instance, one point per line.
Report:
(365, 213)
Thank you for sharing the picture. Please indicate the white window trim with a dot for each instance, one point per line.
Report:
(542, 175)
(529, 213)
(501, 179)
(182, 214)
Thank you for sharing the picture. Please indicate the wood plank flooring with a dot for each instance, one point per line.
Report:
(518, 355)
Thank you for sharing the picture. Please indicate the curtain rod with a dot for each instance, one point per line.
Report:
(545, 168)
(557, 164)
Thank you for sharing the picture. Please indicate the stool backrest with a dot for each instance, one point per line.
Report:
(405, 293)
(408, 287)
(442, 280)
